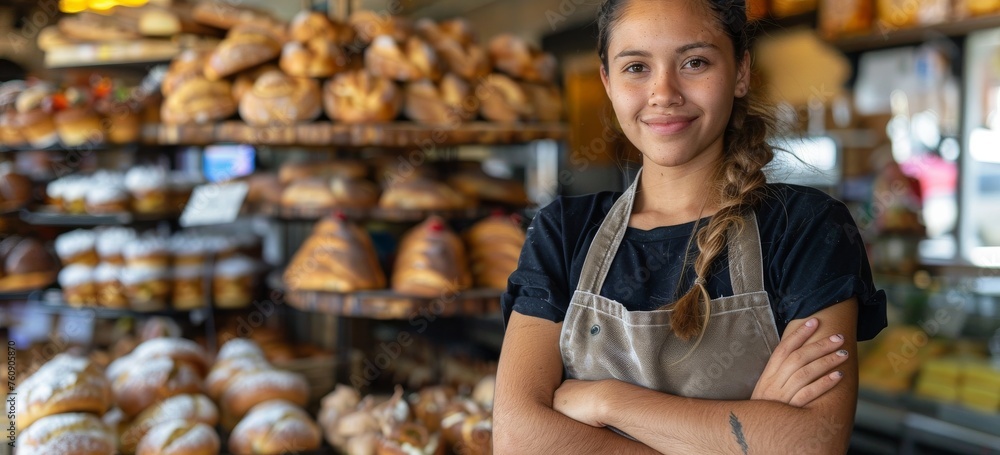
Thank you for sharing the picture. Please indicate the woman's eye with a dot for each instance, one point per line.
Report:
(634, 68)
(696, 64)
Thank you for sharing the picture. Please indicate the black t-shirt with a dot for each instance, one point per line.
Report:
(813, 257)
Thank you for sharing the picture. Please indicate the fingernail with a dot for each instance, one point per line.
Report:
(842, 353)
(811, 322)
(837, 338)
(837, 375)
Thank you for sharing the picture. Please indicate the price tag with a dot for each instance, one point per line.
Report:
(215, 203)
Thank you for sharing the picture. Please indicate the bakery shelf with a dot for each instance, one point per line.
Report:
(143, 52)
(380, 214)
(20, 287)
(883, 37)
(387, 304)
(48, 217)
(396, 134)
(50, 301)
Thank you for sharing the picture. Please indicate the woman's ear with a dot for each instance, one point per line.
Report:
(604, 80)
(743, 76)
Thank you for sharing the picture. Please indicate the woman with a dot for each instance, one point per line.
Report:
(664, 305)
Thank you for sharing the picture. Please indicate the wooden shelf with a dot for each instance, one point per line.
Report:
(883, 37)
(396, 134)
(390, 305)
(375, 213)
(48, 217)
(140, 53)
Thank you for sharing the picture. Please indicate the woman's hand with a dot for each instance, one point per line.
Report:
(579, 400)
(798, 373)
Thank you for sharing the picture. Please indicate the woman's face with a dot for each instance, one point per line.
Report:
(672, 77)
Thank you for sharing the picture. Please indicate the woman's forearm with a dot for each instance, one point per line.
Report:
(537, 429)
(673, 424)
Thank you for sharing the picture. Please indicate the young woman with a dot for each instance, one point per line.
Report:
(649, 321)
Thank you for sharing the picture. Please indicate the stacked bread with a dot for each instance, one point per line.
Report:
(434, 420)
(142, 190)
(116, 267)
(431, 261)
(370, 69)
(59, 409)
(494, 248)
(338, 257)
(25, 263)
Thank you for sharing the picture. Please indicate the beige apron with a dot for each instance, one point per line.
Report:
(600, 339)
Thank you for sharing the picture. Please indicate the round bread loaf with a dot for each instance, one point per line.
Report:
(146, 381)
(190, 408)
(67, 434)
(275, 427)
(253, 388)
(179, 349)
(180, 437)
(64, 384)
(359, 97)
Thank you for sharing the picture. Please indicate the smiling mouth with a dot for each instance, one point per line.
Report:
(669, 126)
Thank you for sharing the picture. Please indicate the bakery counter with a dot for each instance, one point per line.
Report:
(395, 134)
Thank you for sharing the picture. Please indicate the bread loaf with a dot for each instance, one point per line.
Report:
(224, 372)
(338, 257)
(179, 349)
(180, 437)
(477, 185)
(184, 408)
(227, 14)
(503, 100)
(67, 434)
(279, 99)
(431, 262)
(455, 45)
(546, 102)
(245, 46)
(448, 103)
(413, 61)
(200, 101)
(422, 194)
(317, 57)
(273, 428)
(147, 381)
(310, 25)
(410, 439)
(188, 65)
(495, 245)
(28, 256)
(87, 26)
(79, 125)
(359, 97)
(369, 24)
(514, 57)
(253, 388)
(291, 172)
(64, 384)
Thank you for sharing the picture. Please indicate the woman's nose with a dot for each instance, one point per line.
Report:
(665, 92)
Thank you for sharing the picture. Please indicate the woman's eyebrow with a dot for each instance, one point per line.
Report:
(680, 50)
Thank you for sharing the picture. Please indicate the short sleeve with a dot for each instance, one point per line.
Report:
(539, 286)
(821, 260)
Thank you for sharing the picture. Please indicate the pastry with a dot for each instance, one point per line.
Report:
(190, 250)
(370, 24)
(513, 56)
(225, 372)
(503, 100)
(182, 185)
(359, 97)
(77, 283)
(107, 199)
(309, 25)
(233, 282)
(314, 58)
(421, 194)
(179, 437)
(179, 349)
(477, 185)
(431, 261)
(454, 43)
(291, 172)
(245, 46)
(149, 188)
(67, 434)
(189, 287)
(429, 405)
(147, 251)
(227, 14)
(546, 102)
(254, 387)
(353, 193)
(494, 248)
(279, 99)
(10, 135)
(185, 408)
(27, 256)
(147, 288)
(147, 381)
(111, 243)
(410, 439)
(77, 247)
(79, 125)
(188, 65)
(273, 428)
(413, 61)
(472, 430)
(74, 195)
(50, 38)
(200, 101)
(338, 257)
(108, 286)
(87, 26)
(448, 103)
(238, 348)
(311, 194)
(264, 189)
(34, 123)
(64, 384)
(15, 189)
(245, 79)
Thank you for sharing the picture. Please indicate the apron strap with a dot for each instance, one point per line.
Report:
(605, 244)
(746, 262)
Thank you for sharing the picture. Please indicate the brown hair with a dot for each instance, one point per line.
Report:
(740, 177)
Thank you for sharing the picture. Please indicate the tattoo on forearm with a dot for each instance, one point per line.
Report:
(738, 432)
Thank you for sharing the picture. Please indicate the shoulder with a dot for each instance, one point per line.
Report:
(788, 207)
(574, 210)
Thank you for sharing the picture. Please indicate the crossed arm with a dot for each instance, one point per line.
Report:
(799, 405)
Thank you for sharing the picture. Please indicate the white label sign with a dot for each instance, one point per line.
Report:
(215, 203)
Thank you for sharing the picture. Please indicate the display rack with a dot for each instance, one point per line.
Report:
(380, 214)
(131, 53)
(885, 36)
(50, 217)
(316, 134)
